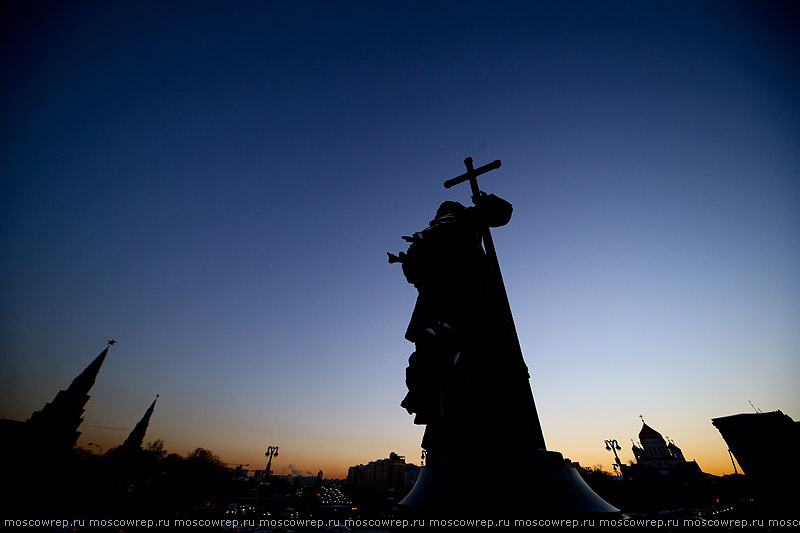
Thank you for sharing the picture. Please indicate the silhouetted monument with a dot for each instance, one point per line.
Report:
(467, 379)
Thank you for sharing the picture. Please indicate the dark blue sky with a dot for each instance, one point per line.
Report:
(215, 184)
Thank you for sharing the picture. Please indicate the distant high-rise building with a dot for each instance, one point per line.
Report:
(382, 474)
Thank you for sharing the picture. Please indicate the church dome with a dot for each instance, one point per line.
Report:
(649, 433)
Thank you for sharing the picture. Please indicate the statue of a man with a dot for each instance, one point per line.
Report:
(464, 341)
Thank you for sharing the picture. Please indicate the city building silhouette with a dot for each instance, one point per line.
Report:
(382, 474)
(749, 437)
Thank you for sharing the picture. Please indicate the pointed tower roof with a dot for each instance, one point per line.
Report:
(82, 384)
(136, 437)
(57, 423)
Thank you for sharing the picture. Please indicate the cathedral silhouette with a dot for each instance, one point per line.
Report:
(657, 455)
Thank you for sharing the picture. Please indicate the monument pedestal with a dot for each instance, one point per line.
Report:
(541, 484)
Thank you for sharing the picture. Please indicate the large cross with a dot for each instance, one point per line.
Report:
(471, 175)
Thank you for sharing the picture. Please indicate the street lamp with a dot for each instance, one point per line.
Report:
(272, 451)
(612, 445)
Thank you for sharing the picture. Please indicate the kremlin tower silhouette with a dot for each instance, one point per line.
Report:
(44, 468)
(55, 427)
(53, 430)
(136, 437)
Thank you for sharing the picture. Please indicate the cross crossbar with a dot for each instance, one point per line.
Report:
(471, 174)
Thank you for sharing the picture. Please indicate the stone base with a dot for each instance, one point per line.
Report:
(543, 484)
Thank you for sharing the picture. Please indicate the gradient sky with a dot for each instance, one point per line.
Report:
(215, 185)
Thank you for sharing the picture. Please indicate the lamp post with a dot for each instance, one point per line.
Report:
(613, 445)
(272, 451)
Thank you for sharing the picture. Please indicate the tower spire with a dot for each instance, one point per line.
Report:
(58, 421)
(82, 384)
(136, 437)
